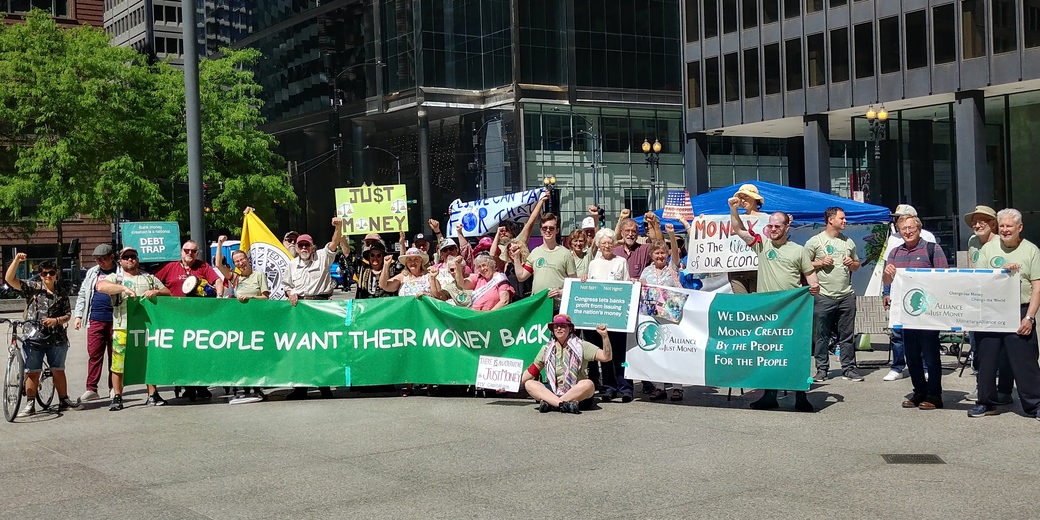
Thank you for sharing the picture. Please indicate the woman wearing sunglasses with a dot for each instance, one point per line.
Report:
(48, 304)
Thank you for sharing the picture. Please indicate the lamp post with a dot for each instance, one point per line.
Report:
(397, 158)
(336, 101)
(550, 184)
(596, 152)
(480, 168)
(653, 157)
(877, 121)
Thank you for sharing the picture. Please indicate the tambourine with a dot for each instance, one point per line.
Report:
(195, 286)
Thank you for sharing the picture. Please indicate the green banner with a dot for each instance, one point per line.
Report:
(223, 342)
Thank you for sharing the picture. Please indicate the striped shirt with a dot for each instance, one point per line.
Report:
(915, 258)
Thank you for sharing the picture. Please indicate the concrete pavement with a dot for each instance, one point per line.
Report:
(391, 457)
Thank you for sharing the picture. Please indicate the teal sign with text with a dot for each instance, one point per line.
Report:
(600, 302)
(154, 241)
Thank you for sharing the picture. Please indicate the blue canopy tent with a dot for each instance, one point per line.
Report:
(806, 206)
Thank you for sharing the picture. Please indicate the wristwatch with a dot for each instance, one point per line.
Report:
(1031, 319)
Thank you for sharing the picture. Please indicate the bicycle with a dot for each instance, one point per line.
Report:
(14, 377)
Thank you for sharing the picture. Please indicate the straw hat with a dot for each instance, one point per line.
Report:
(980, 210)
(414, 252)
(750, 190)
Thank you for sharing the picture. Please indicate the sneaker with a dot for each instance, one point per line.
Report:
(242, 397)
(545, 407)
(117, 403)
(64, 403)
(982, 411)
(973, 396)
(821, 376)
(569, 407)
(155, 400)
(893, 375)
(1004, 399)
(30, 408)
(626, 398)
(852, 375)
(89, 395)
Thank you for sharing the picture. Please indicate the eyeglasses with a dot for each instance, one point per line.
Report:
(548, 228)
(128, 257)
(303, 244)
(190, 251)
(48, 273)
(376, 255)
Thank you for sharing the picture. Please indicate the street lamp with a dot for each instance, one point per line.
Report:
(596, 152)
(550, 184)
(397, 158)
(480, 168)
(653, 157)
(877, 122)
(336, 101)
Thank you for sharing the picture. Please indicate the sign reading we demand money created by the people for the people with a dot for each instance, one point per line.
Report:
(758, 340)
(154, 241)
(600, 302)
(715, 248)
(955, 299)
(205, 341)
(372, 209)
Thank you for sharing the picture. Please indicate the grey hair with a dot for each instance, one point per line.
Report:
(1011, 213)
(605, 233)
(903, 218)
(483, 259)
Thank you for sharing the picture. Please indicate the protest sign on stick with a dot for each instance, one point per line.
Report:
(372, 209)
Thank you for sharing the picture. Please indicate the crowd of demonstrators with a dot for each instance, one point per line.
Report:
(47, 304)
(96, 308)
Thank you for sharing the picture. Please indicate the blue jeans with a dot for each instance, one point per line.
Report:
(899, 352)
(55, 358)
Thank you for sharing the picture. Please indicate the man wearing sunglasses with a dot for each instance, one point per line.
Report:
(96, 308)
(173, 274)
(130, 281)
(548, 263)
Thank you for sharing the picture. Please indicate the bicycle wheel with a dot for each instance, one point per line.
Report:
(13, 384)
(45, 390)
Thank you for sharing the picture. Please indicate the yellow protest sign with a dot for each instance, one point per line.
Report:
(372, 209)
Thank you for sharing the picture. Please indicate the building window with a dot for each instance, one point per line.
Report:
(692, 20)
(729, 16)
(771, 59)
(711, 18)
(732, 76)
(812, 6)
(770, 11)
(840, 55)
(793, 63)
(816, 60)
(160, 45)
(751, 73)
(711, 80)
(693, 85)
(944, 34)
(863, 35)
(749, 14)
(1005, 37)
(916, 40)
(838, 3)
(888, 40)
(792, 8)
(1031, 22)
(973, 29)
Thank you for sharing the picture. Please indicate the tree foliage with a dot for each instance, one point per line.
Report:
(91, 129)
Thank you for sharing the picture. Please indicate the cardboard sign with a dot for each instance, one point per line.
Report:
(154, 241)
(716, 248)
(372, 209)
(498, 373)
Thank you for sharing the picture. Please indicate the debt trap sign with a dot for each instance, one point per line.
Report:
(758, 340)
(224, 342)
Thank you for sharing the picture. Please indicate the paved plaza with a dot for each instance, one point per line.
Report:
(362, 456)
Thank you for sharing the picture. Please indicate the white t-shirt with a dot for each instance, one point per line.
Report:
(614, 269)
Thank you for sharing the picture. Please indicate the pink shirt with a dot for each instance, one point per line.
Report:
(489, 299)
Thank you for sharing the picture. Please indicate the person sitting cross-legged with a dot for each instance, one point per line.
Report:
(565, 361)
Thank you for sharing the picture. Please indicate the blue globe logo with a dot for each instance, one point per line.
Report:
(916, 302)
(469, 222)
(829, 249)
(771, 254)
(540, 262)
(649, 336)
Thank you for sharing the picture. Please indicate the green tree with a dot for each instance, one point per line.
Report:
(91, 129)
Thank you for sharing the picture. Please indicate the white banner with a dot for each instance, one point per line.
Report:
(480, 217)
(497, 373)
(715, 248)
(955, 299)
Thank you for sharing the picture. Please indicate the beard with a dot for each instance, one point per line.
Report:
(630, 241)
(304, 255)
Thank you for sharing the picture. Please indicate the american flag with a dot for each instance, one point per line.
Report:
(677, 205)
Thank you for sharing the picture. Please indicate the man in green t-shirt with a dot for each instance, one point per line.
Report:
(1016, 254)
(834, 258)
(565, 360)
(549, 263)
(781, 265)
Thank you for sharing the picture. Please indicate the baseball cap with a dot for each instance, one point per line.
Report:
(126, 250)
(103, 250)
(904, 210)
(419, 237)
(588, 222)
(447, 242)
(304, 239)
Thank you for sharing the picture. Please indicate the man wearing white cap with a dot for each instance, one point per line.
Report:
(895, 240)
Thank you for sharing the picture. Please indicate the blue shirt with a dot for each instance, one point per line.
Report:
(101, 303)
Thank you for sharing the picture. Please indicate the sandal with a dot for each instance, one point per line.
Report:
(657, 395)
(407, 391)
(677, 394)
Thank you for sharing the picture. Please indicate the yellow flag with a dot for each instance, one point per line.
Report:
(266, 253)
